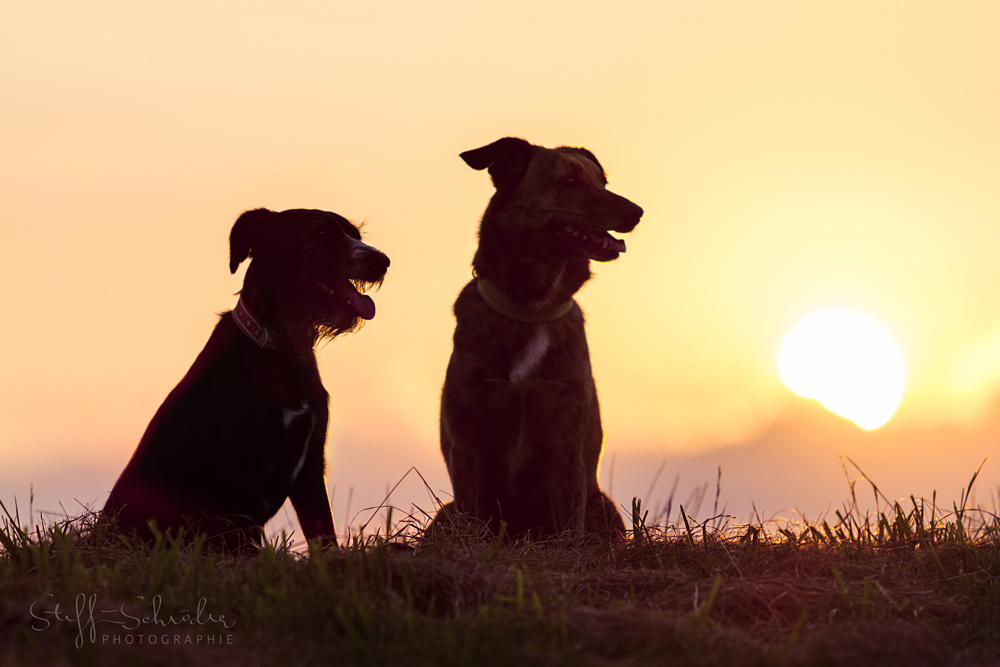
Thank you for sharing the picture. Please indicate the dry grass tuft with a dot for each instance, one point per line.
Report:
(911, 584)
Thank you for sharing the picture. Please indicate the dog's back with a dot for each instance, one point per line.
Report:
(201, 461)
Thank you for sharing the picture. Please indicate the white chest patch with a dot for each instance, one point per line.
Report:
(289, 415)
(531, 356)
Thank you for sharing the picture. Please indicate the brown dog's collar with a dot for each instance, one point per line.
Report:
(516, 311)
(253, 328)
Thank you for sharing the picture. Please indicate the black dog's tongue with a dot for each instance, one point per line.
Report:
(360, 302)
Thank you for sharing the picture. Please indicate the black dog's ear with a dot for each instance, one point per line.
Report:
(248, 232)
(507, 159)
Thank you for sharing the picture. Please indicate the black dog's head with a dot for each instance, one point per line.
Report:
(554, 201)
(309, 270)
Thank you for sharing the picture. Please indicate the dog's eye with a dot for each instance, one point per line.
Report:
(567, 182)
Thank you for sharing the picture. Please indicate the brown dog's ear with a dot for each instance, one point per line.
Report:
(590, 156)
(506, 158)
(248, 232)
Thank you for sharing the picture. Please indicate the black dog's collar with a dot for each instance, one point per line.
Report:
(253, 328)
(516, 311)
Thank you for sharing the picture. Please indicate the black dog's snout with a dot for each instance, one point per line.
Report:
(379, 261)
(374, 265)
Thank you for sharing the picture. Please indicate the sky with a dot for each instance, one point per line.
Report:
(789, 157)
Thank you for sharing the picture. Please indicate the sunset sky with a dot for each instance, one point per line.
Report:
(789, 157)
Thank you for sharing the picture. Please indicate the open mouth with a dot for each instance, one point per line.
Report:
(343, 289)
(600, 246)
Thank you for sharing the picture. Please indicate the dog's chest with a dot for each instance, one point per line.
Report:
(291, 450)
(530, 357)
(299, 423)
(527, 364)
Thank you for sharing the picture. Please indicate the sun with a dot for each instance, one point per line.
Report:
(847, 362)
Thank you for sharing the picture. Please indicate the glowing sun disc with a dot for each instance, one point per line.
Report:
(847, 362)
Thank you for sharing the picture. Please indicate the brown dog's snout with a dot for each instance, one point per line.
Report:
(626, 214)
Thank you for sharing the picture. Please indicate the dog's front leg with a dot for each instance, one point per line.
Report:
(308, 492)
(478, 421)
(554, 424)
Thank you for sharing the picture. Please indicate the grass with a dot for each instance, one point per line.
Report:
(909, 584)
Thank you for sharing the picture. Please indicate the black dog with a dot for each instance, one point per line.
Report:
(246, 427)
(520, 423)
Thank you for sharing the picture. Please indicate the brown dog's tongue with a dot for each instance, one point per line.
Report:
(361, 302)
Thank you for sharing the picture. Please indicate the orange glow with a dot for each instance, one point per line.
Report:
(788, 156)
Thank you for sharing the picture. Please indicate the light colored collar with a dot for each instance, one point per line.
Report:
(519, 312)
(253, 328)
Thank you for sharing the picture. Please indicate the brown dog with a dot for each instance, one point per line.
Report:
(520, 423)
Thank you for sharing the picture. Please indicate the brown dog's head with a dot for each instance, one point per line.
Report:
(554, 201)
(309, 270)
